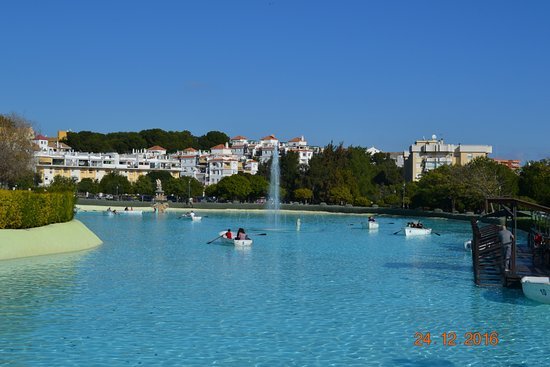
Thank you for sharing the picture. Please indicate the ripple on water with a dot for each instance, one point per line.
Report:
(156, 294)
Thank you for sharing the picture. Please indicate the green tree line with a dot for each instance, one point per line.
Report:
(350, 175)
(125, 142)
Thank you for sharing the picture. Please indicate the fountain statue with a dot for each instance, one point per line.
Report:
(159, 193)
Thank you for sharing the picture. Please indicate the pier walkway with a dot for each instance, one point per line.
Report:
(527, 259)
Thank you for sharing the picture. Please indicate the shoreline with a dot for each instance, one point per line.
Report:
(57, 238)
(102, 205)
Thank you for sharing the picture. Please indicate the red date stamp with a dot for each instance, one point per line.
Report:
(451, 339)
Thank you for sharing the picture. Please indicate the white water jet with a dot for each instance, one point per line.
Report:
(274, 204)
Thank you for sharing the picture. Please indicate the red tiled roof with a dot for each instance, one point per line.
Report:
(239, 137)
(156, 147)
(219, 146)
(189, 150)
(270, 137)
(40, 137)
(296, 140)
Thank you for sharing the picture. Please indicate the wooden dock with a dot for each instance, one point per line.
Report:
(488, 257)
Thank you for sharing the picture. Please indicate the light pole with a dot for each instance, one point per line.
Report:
(403, 205)
(189, 190)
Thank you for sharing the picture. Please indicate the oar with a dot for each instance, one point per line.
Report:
(259, 234)
(209, 242)
(397, 231)
(436, 233)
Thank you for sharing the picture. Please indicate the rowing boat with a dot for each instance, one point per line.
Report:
(411, 231)
(536, 288)
(234, 241)
(370, 225)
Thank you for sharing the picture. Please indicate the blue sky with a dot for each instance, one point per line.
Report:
(382, 73)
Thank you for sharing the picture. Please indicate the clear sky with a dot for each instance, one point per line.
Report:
(382, 73)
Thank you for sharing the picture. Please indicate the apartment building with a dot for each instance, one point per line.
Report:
(54, 158)
(428, 154)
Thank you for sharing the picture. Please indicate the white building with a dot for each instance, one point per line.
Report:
(220, 167)
(56, 158)
(300, 146)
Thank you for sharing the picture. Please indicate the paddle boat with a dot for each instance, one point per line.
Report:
(416, 229)
(536, 288)
(234, 241)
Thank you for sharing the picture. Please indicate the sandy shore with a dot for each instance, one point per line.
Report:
(51, 239)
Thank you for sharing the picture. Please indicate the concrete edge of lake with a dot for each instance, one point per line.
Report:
(101, 205)
(52, 239)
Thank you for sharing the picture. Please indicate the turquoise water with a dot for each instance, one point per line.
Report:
(331, 294)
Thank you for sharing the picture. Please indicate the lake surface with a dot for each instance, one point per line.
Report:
(331, 294)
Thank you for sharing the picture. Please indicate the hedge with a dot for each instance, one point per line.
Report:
(27, 209)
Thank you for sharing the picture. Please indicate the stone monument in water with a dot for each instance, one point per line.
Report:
(159, 193)
(160, 199)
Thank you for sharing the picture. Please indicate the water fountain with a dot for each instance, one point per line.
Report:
(274, 204)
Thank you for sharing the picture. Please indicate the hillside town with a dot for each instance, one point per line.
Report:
(53, 157)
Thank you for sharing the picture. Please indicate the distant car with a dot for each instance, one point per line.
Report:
(109, 197)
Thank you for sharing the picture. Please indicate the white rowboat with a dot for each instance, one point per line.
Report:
(370, 225)
(411, 231)
(235, 242)
(130, 212)
(536, 288)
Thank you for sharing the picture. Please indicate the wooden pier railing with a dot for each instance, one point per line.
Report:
(487, 256)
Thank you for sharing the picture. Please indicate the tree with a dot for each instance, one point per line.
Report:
(484, 177)
(211, 190)
(303, 194)
(61, 183)
(184, 187)
(16, 153)
(535, 181)
(114, 184)
(258, 186)
(340, 195)
(234, 187)
(88, 141)
(163, 176)
(211, 139)
(88, 185)
(434, 189)
(290, 171)
(143, 186)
